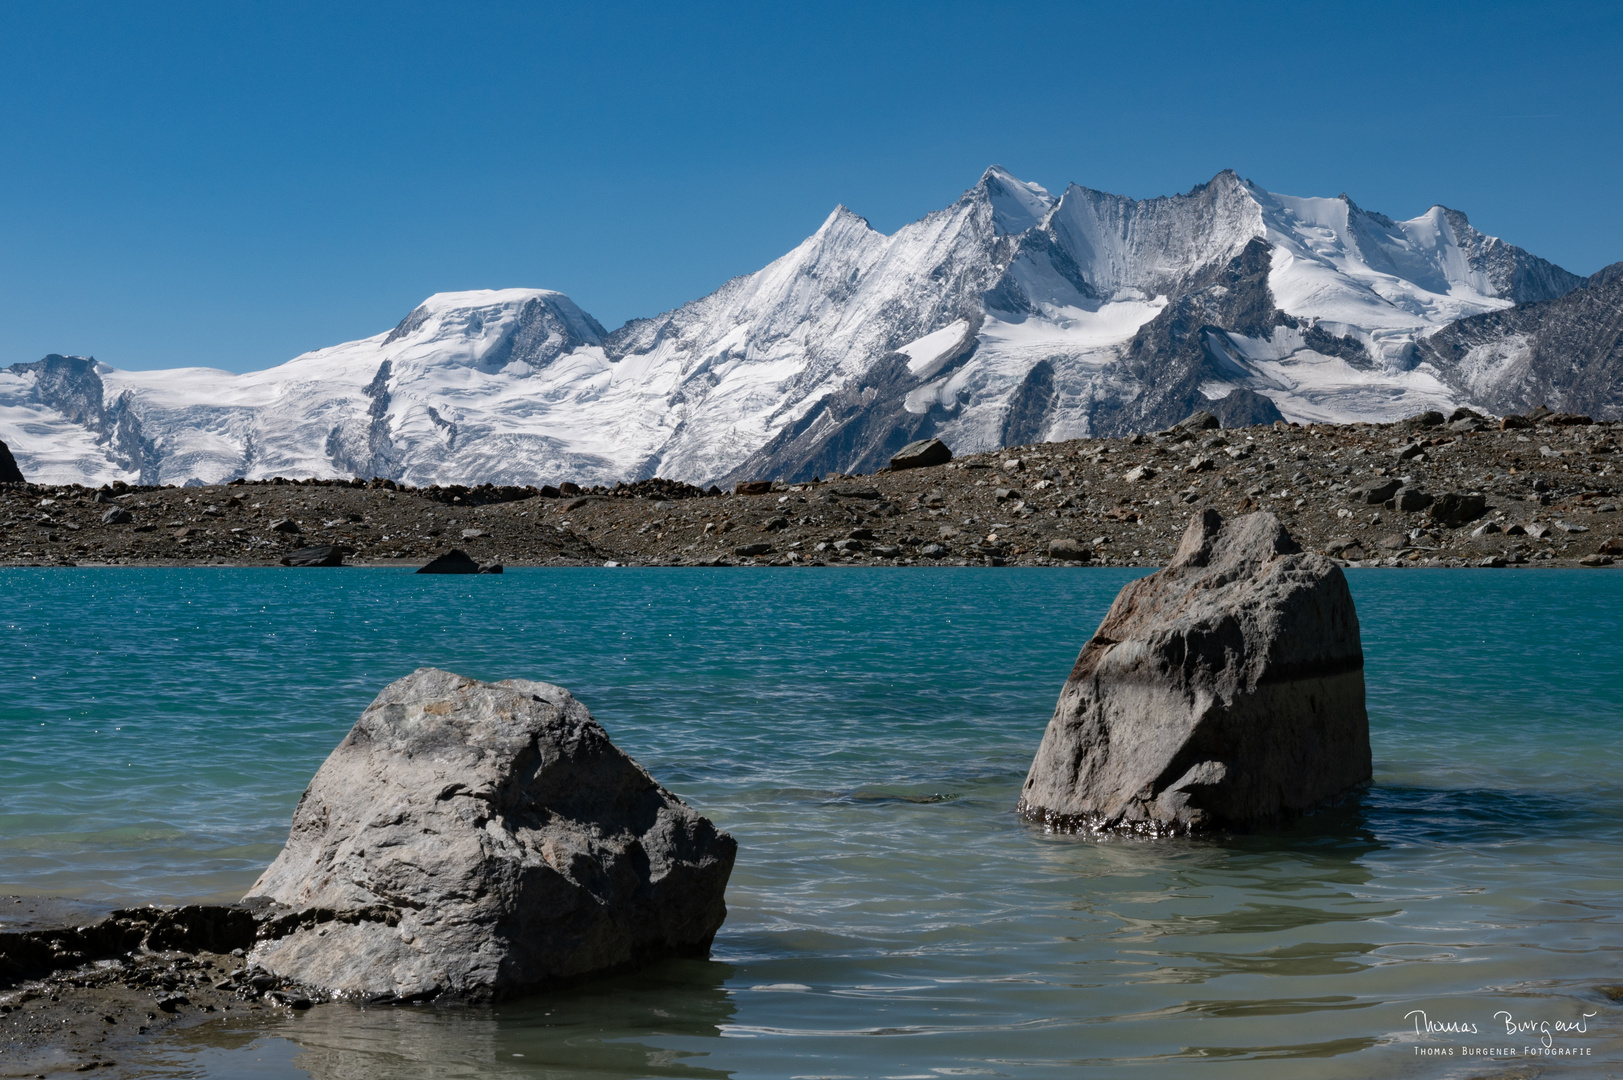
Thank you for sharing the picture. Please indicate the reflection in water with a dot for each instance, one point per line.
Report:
(888, 915)
(652, 1023)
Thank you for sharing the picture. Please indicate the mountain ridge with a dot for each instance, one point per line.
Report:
(1008, 316)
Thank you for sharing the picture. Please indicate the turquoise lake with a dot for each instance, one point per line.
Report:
(864, 735)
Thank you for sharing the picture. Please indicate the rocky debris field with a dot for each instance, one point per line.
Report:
(1428, 491)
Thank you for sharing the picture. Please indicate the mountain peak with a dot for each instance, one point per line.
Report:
(1022, 317)
(842, 216)
(1017, 205)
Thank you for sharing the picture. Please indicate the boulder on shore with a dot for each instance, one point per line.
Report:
(921, 455)
(455, 561)
(471, 840)
(320, 555)
(1454, 509)
(1069, 550)
(1224, 691)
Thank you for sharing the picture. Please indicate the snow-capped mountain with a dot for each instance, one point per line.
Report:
(1566, 353)
(1007, 317)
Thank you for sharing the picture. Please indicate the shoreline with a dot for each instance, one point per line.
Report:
(1478, 495)
(83, 985)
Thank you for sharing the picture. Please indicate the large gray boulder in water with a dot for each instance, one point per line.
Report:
(1223, 691)
(470, 840)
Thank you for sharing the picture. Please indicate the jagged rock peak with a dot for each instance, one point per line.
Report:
(1017, 205)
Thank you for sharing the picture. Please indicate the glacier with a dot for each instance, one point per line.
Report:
(1011, 316)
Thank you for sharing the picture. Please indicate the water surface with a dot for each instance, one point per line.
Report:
(864, 735)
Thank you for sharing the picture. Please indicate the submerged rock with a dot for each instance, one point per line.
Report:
(470, 840)
(1225, 690)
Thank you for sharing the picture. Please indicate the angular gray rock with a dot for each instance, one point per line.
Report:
(470, 840)
(921, 454)
(1453, 508)
(320, 555)
(1408, 500)
(1375, 492)
(1224, 691)
(1069, 550)
(1197, 421)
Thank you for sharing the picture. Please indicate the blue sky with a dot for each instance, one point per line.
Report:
(233, 184)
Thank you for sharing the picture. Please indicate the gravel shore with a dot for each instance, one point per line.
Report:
(1470, 493)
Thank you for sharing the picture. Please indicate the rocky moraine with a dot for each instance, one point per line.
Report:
(1433, 490)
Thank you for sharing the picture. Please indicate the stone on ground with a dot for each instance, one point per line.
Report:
(1453, 508)
(921, 454)
(470, 840)
(1198, 421)
(320, 555)
(1070, 550)
(1224, 691)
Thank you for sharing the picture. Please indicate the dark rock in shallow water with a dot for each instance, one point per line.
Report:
(1223, 691)
(322, 555)
(9, 472)
(921, 454)
(471, 840)
(455, 561)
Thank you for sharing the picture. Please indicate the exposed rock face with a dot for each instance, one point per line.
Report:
(1245, 408)
(1567, 352)
(1223, 691)
(469, 840)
